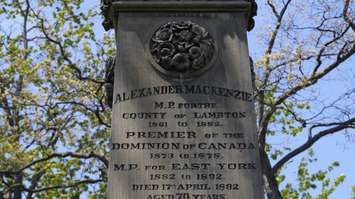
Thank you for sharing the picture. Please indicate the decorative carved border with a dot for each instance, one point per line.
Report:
(109, 6)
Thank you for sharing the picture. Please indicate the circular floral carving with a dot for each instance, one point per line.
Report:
(182, 47)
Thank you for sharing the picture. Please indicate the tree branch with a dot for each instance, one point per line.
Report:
(75, 184)
(267, 53)
(34, 182)
(302, 85)
(59, 155)
(349, 19)
(313, 139)
(71, 64)
(271, 186)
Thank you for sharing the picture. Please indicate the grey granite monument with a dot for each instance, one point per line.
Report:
(183, 122)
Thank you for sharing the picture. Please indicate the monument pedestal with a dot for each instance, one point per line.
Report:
(183, 122)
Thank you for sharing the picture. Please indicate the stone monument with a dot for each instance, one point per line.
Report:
(183, 123)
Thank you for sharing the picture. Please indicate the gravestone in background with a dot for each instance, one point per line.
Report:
(183, 122)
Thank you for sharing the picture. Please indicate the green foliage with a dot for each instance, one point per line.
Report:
(353, 193)
(310, 183)
(52, 112)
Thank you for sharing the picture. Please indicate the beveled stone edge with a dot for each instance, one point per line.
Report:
(109, 8)
(180, 6)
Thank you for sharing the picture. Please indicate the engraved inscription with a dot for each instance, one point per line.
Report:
(183, 158)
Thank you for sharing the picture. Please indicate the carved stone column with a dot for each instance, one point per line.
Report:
(183, 122)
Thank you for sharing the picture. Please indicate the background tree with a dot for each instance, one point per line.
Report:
(304, 43)
(55, 126)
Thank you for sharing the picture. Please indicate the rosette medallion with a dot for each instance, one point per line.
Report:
(182, 49)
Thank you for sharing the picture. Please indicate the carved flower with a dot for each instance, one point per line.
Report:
(182, 25)
(166, 50)
(199, 31)
(182, 47)
(165, 62)
(163, 35)
(195, 52)
(181, 62)
(186, 35)
(199, 62)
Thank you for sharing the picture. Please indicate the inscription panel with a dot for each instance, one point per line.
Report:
(178, 138)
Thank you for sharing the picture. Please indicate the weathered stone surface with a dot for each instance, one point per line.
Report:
(183, 136)
(108, 10)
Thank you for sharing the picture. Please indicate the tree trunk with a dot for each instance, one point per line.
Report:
(271, 186)
(17, 193)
